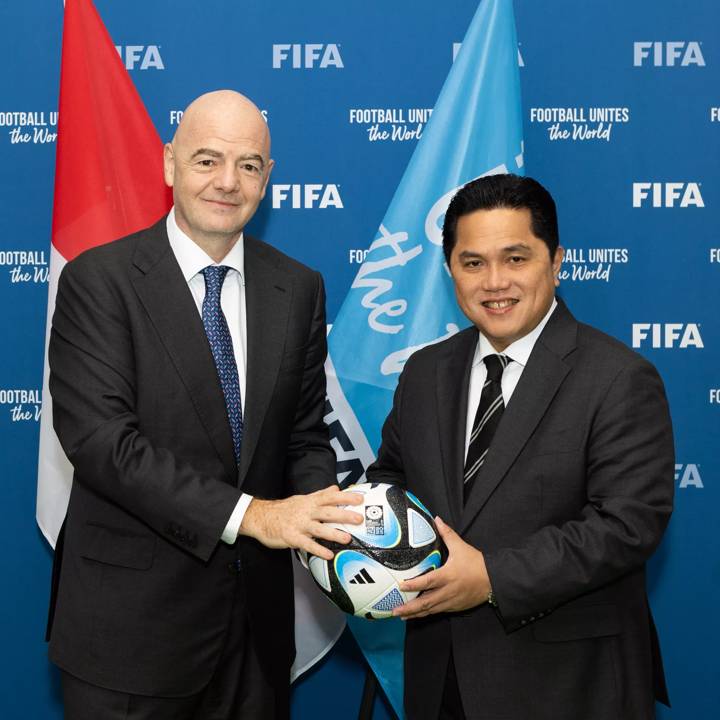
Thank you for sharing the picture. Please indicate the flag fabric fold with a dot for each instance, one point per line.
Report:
(402, 298)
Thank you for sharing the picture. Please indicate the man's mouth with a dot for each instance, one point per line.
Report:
(224, 203)
(499, 304)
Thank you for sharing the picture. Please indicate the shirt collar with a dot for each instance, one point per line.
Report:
(520, 350)
(192, 258)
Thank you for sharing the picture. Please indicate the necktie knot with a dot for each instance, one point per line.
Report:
(214, 279)
(495, 365)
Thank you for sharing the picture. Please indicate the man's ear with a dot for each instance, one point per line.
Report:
(557, 262)
(270, 166)
(169, 164)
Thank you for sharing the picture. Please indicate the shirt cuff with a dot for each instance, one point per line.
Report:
(230, 533)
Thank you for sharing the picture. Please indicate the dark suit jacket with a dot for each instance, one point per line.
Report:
(146, 587)
(573, 498)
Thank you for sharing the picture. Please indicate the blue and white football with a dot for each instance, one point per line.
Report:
(397, 541)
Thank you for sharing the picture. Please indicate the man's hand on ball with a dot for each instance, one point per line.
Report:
(461, 583)
(296, 521)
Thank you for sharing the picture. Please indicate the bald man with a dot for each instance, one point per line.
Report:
(188, 393)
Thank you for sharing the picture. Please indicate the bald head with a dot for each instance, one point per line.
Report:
(223, 109)
(218, 165)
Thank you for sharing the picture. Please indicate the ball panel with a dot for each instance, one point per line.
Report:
(389, 602)
(320, 571)
(363, 579)
(420, 531)
(381, 527)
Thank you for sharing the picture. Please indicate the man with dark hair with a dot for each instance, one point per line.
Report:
(188, 393)
(547, 447)
(504, 191)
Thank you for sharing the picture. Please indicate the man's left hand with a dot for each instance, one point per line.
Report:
(461, 583)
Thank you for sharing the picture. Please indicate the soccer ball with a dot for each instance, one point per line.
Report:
(397, 541)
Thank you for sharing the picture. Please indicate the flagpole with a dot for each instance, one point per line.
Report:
(368, 695)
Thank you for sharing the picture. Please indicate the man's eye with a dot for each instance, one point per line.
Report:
(251, 168)
(472, 263)
(515, 259)
(206, 163)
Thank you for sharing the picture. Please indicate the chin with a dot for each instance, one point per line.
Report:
(223, 228)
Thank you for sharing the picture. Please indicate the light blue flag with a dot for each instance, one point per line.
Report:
(402, 298)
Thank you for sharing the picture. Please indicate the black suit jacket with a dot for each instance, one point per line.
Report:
(146, 587)
(574, 496)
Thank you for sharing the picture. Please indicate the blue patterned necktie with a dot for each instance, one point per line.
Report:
(487, 418)
(218, 335)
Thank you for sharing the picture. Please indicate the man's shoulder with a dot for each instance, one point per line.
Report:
(277, 258)
(565, 336)
(114, 253)
(456, 345)
(603, 358)
(596, 342)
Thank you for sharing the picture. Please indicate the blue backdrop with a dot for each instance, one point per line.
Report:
(621, 105)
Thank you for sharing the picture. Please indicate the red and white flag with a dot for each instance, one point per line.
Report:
(108, 183)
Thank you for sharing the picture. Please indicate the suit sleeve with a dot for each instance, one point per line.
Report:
(388, 467)
(310, 462)
(93, 386)
(630, 464)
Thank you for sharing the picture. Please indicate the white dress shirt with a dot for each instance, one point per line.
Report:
(192, 260)
(518, 354)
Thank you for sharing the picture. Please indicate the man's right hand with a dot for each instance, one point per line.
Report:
(296, 521)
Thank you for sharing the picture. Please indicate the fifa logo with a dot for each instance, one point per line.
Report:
(306, 197)
(307, 56)
(667, 194)
(667, 335)
(374, 524)
(666, 54)
(148, 56)
(688, 476)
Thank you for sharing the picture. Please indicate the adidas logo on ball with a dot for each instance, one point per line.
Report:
(362, 577)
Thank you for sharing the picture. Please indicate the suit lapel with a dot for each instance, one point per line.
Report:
(538, 385)
(452, 381)
(168, 301)
(268, 295)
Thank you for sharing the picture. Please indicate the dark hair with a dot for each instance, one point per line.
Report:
(503, 191)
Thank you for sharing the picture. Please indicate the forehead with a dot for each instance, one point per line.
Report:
(495, 226)
(226, 133)
(492, 229)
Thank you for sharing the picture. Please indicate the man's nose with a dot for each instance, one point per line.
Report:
(226, 179)
(495, 278)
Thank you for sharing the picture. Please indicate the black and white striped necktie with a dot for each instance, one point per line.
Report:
(487, 418)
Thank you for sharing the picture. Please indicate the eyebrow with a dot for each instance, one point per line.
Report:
(206, 151)
(516, 247)
(216, 154)
(507, 250)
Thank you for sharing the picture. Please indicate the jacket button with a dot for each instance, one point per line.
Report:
(234, 567)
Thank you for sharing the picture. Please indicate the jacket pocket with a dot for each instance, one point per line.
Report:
(117, 546)
(578, 623)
